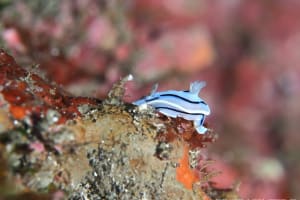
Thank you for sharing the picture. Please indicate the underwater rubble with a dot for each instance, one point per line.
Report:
(57, 146)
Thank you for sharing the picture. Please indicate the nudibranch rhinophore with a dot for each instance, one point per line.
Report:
(185, 104)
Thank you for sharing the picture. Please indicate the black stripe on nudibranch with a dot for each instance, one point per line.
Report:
(148, 100)
(177, 96)
(179, 111)
(202, 120)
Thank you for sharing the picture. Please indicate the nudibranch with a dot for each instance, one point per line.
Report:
(185, 104)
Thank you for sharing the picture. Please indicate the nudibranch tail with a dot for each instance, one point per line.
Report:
(199, 126)
(196, 86)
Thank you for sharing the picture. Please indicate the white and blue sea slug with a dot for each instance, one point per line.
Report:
(185, 104)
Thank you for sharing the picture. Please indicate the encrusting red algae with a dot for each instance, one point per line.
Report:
(28, 93)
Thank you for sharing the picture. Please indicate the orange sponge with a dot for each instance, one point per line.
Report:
(184, 174)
